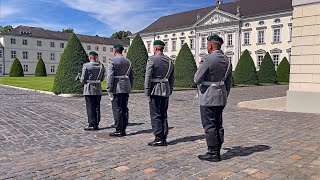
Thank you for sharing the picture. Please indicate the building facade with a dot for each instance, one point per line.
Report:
(29, 44)
(245, 24)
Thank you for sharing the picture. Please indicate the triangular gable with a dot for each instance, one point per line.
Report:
(216, 16)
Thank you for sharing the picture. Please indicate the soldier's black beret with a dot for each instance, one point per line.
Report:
(215, 38)
(92, 53)
(159, 43)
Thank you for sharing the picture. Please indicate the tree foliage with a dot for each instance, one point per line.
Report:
(4, 29)
(283, 71)
(245, 72)
(138, 55)
(267, 72)
(40, 69)
(69, 30)
(121, 35)
(16, 69)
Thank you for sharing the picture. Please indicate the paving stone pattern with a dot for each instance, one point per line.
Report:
(42, 137)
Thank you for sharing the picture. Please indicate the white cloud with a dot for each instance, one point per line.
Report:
(6, 11)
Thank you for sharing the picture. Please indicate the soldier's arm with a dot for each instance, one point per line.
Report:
(110, 76)
(147, 82)
(228, 81)
(201, 72)
(103, 71)
(84, 75)
(171, 79)
(131, 76)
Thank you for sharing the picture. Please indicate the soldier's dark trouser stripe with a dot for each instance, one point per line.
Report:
(93, 109)
(159, 118)
(120, 111)
(211, 118)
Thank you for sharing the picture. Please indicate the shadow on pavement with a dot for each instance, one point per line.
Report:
(147, 131)
(130, 124)
(186, 139)
(243, 151)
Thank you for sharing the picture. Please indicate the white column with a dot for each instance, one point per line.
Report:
(197, 48)
(236, 48)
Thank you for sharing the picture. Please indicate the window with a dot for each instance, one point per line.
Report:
(260, 37)
(246, 38)
(261, 23)
(276, 35)
(276, 60)
(61, 45)
(13, 54)
(149, 46)
(182, 42)
(104, 49)
(277, 21)
(52, 69)
(25, 42)
(25, 54)
(39, 43)
(52, 56)
(25, 68)
(230, 43)
(191, 43)
(247, 25)
(166, 46)
(0, 53)
(89, 48)
(39, 54)
(52, 44)
(260, 58)
(111, 49)
(13, 41)
(0, 68)
(203, 43)
(104, 59)
(174, 45)
(97, 48)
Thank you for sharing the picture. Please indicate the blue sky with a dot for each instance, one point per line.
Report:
(92, 17)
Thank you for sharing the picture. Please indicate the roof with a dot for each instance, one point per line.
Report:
(249, 8)
(37, 32)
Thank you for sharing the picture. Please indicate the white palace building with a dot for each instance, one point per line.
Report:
(257, 25)
(29, 44)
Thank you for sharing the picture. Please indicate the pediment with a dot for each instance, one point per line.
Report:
(216, 17)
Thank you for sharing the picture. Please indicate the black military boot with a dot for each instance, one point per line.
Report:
(213, 155)
(158, 142)
(118, 134)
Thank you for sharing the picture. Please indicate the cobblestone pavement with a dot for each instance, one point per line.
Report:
(42, 137)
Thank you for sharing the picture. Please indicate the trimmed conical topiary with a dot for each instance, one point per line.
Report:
(185, 68)
(283, 71)
(138, 55)
(267, 72)
(245, 72)
(16, 69)
(40, 69)
(70, 66)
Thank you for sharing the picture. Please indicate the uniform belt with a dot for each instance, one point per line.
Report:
(159, 80)
(208, 83)
(122, 77)
(93, 81)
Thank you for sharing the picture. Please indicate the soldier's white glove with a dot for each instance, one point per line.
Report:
(111, 96)
(149, 98)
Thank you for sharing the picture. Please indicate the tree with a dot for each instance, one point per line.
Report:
(70, 66)
(283, 71)
(138, 55)
(122, 35)
(40, 69)
(69, 30)
(185, 68)
(4, 29)
(267, 72)
(16, 69)
(245, 72)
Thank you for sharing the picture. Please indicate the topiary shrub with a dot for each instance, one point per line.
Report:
(267, 73)
(245, 72)
(16, 69)
(283, 71)
(40, 69)
(70, 65)
(138, 55)
(184, 69)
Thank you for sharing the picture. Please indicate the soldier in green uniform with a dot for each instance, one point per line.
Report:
(214, 77)
(91, 77)
(159, 81)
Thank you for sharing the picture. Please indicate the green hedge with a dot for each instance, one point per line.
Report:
(245, 72)
(70, 66)
(16, 69)
(267, 73)
(40, 69)
(138, 55)
(185, 68)
(283, 71)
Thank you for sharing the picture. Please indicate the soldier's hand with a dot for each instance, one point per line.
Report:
(111, 96)
(149, 98)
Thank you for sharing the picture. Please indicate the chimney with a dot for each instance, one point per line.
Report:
(218, 3)
(198, 16)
